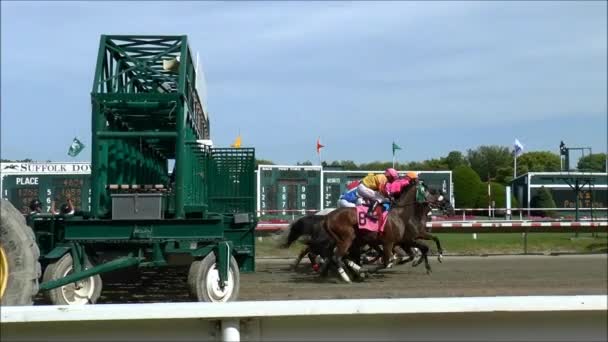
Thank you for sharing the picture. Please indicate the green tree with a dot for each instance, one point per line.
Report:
(454, 159)
(466, 185)
(262, 162)
(308, 162)
(543, 199)
(487, 161)
(538, 161)
(593, 162)
(376, 166)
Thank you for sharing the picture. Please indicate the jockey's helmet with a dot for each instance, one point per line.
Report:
(412, 175)
(391, 174)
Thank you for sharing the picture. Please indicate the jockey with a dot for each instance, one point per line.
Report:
(373, 186)
(395, 187)
(350, 199)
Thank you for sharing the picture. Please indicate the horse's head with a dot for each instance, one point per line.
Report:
(436, 199)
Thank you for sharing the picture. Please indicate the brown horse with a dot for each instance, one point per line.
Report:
(405, 223)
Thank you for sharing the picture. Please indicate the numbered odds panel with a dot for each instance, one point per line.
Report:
(288, 191)
(23, 182)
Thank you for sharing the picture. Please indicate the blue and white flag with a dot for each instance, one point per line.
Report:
(518, 148)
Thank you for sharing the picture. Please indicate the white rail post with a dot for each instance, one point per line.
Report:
(230, 330)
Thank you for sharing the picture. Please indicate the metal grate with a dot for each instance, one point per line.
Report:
(231, 180)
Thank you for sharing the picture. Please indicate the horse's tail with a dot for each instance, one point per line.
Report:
(296, 229)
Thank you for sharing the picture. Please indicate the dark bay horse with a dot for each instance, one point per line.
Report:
(405, 224)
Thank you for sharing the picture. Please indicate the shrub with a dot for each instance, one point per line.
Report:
(466, 186)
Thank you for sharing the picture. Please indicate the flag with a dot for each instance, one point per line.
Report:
(395, 147)
(518, 148)
(237, 142)
(75, 148)
(319, 146)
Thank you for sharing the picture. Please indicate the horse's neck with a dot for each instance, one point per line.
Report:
(408, 207)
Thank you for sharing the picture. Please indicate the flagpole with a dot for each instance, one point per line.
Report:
(515, 165)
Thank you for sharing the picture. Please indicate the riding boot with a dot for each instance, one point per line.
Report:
(370, 210)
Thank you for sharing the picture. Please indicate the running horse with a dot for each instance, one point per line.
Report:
(405, 223)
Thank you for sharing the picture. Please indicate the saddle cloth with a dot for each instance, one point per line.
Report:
(365, 222)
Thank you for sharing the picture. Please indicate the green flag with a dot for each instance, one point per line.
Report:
(395, 147)
(75, 148)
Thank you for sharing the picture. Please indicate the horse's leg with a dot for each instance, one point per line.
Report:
(387, 248)
(408, 251)
(337, 258)
(424, 249)
(341, 250)
(326, 257)
(300, 257)
(428, 236)
(353, 261)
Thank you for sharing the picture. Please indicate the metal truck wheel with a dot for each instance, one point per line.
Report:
(203, 280)
(19, 266)
(84, 291)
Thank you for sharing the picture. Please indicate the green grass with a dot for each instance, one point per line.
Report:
(489, 243)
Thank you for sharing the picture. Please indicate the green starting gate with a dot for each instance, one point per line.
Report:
(147, 117)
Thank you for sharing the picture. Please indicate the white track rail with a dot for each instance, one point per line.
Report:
(522, 318)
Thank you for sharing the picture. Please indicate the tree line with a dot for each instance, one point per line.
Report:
(471, 172)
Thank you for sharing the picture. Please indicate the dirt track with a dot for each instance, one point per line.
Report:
(456, 276)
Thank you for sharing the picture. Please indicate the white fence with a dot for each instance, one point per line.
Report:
(519, 318)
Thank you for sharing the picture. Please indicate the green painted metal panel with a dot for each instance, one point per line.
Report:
(99, 230)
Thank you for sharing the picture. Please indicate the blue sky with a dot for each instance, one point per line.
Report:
(432, 76)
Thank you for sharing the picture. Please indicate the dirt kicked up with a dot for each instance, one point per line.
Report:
(456, 276)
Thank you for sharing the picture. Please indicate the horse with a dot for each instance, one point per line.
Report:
(319, 244)
(405, 224)
(425, 234)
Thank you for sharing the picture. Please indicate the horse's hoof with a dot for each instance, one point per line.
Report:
(344, 276)
(440, 258)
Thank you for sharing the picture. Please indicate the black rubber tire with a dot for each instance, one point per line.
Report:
(19, 244)
(57, 270)
(197, 276)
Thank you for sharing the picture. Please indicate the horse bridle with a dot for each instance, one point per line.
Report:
(432, 204)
